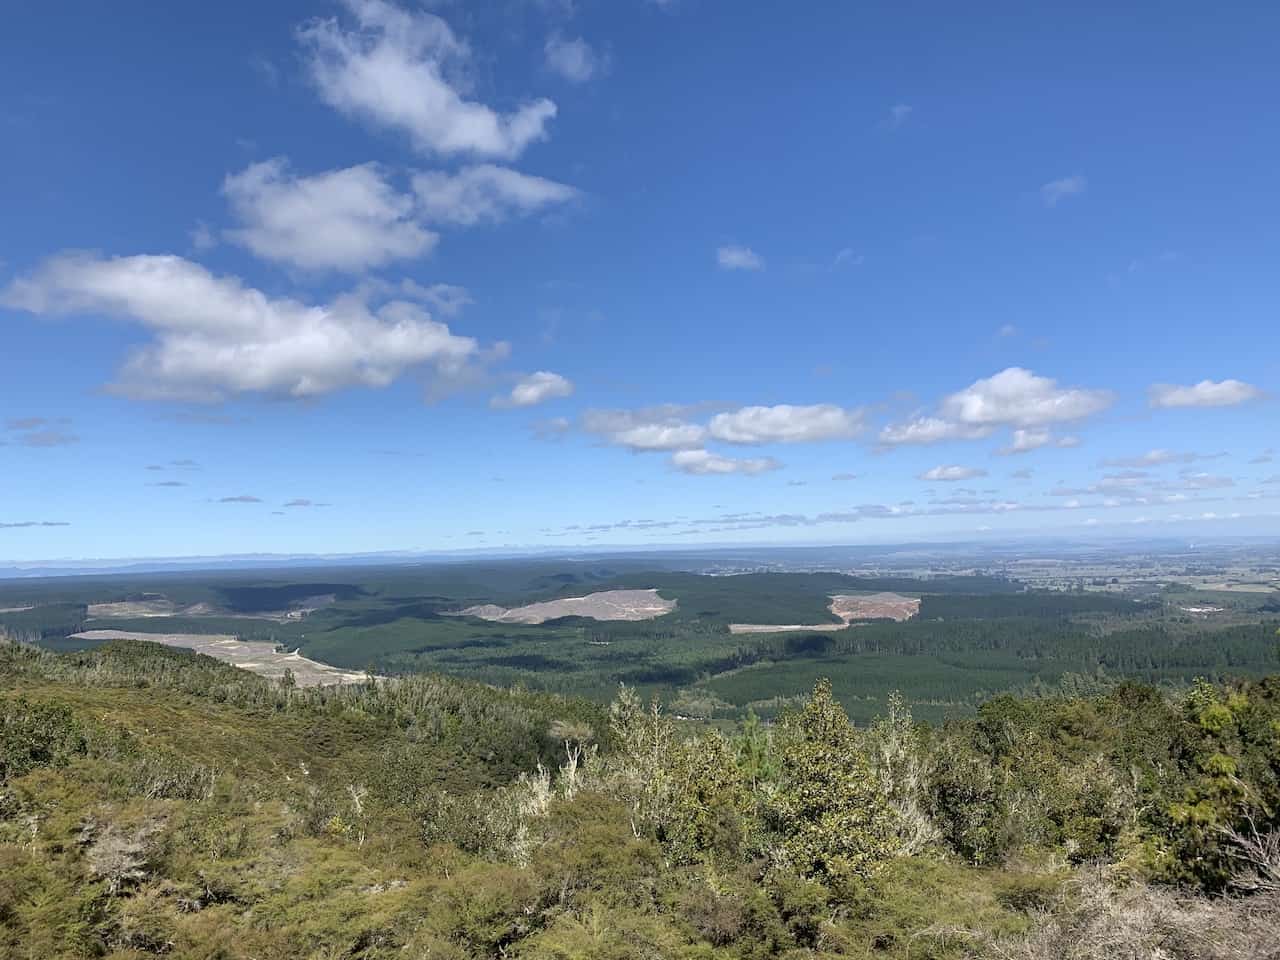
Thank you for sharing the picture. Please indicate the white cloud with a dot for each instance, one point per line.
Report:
(1013, 397)
(405, 70)
(534, 389)
(1026, 440)
(572, 58)
(950, 474)
(1017, 397)
(704, 463)
(1056, 190)
(485, 192)
(847, 255)
(1157, 458)
(1206, 481)
(931, 430)
(739, 258)
(351, 219)
(785, 423)
(202, 238)
(213, 337)
(899, 113)
(658, 428)
(446, 297)
(1206, 393)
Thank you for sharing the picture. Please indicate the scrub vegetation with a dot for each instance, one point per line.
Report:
(155, 802)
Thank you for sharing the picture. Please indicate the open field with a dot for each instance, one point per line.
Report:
(876, 606)
(606, 605)
(257, 656)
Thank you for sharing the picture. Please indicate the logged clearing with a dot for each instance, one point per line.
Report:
(606, 605)
(258, 656)
(875, 606)
(129, 609)
(161, 607)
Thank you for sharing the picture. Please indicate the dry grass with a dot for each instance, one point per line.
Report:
(1094, 920)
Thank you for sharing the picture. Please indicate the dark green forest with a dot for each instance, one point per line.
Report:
(974, 636)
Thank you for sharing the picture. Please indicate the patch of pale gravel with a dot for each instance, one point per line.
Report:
(605, 605)
(259, 656)
(848, 607)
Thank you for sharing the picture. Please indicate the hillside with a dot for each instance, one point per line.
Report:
(155, 802)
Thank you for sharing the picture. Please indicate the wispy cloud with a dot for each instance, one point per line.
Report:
(899, 113)
(706, 463)
(1159, 457)
(738, 258)
(242, 498)
(1206, 393)
(1056, 190)
(951, 473)
(572, 58)
(21, 524)
(533, 389)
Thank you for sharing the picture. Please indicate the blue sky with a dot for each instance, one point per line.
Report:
(336, 277)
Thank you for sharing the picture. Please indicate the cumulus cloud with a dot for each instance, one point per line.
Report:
(705, 463)
(485, 192)
(406, 70)
(572, 58)
(1206, 393)
(351, 219)
(951, 474)
(1014, 397)
(213, 337)
(786, 423)
(653, 428)
(739, 258)
(1019, 398)
(1055, 190)
(534, 389)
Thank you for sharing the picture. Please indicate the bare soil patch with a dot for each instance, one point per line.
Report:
(849, 608)
(258, 656)
(606, 605)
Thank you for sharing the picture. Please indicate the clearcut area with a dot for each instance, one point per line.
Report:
(849, 608)
(606, 605)
(258, 656)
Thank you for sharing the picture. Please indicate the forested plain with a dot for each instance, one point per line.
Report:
(974, 636)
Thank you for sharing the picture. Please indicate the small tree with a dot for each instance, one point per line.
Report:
(710, 803)
(831, 817)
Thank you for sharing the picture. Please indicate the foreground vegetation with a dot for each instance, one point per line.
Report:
(153, 802)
